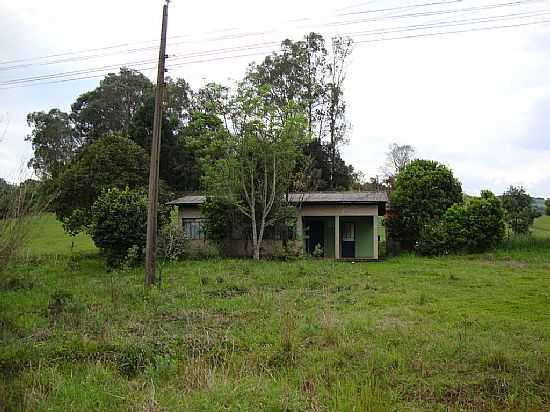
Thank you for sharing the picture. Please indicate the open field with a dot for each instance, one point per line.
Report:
(410, 333)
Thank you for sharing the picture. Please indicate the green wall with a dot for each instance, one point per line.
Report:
(329, 237)
(364, 244)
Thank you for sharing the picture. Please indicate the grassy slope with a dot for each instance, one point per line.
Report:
(541, 227)
(410, 333)
(48, 237)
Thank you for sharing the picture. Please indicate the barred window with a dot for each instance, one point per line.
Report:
(193, 229)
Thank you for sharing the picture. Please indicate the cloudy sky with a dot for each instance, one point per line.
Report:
(478, 101)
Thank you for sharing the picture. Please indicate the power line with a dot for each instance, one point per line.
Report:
(261, 47)
(251, 34)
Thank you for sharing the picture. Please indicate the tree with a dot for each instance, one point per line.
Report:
(518, 210)
(112, 161)
(53, 141)
(476, 225)
(547, 207)
(335, 111)
(310, 78)
(178, 166)
(261, 153)
(397, 157)
(109, 108)
(424, 190)
(213, 100)
(118, 222)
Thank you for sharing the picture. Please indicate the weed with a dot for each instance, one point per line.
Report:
(15, 283)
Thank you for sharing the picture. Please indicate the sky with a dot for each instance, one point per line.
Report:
(478, 101)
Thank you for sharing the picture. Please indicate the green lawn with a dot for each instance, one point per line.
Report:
(410, 333)
(48, 237)
(541, 227)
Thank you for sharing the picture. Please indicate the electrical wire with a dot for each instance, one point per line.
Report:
(260, 48)
(251, 34)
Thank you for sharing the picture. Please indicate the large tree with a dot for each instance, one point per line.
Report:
(260, 157)
(53, 141)
(110, 107)
(304, 73)
(424, 190)
(112, 161)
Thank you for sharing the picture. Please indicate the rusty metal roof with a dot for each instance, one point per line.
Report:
(339, 197)
(308, 197)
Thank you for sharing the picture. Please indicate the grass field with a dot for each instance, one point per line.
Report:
(409, 333)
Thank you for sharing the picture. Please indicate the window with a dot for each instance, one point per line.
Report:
(348, 232)
(193, 229)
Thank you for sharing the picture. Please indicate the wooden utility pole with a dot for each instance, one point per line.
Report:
(151, 248)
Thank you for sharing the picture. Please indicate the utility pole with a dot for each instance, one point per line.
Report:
(151, 248)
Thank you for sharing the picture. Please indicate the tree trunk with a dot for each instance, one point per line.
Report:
(256, 254)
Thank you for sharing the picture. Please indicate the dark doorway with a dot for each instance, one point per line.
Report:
(348, 240)
(316, 235)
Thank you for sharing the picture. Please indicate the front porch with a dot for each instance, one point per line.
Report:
(340, 236)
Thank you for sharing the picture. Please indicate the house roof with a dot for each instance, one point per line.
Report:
(308, 197)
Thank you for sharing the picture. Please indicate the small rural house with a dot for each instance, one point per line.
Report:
(341, 225)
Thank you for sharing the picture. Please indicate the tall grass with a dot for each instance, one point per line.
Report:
(20, 209)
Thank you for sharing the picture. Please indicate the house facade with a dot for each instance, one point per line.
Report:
(339, 225)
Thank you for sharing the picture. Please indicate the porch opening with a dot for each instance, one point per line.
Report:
(319, 235)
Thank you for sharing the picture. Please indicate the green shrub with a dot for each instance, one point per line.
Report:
(171, 244)
(119, 222)
(424, 190)
(433, 240)
(474, 226)
(519, 211)
(477, 225)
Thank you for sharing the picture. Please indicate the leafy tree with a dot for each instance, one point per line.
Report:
(260, 158)
(310, 78)
(118, 222)
(424, 190)
(476, 225)
(213, 100)
(222, 219)
(328, 174)
(53, 141)
(109, 108)
(519, 213)
(112, 161)
(178, 165)
(335, 111)
(547, 207)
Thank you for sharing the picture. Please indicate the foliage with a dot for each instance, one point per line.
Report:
(111, 162)
(221, 219)
(171, 242)
(261, 154)
(53, 141)
(118, 222)
(109, 108)
(178, 166)
(310, 77)
(433, 239)
(547, 207)
(424, 190)
(18, 207)
(476, 225)
(518, 210)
